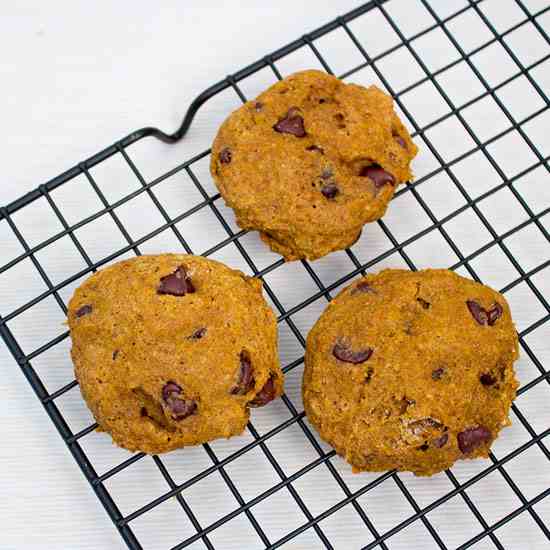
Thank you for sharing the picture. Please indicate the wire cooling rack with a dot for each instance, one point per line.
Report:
(474, 100)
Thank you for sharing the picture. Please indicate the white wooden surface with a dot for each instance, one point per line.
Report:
(75, 76)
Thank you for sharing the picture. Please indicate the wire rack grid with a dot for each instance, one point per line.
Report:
(478, 144)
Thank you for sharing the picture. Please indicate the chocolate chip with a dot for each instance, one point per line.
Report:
(225, 155)
(258, 106)
(265, 395)
(315, 148)
(292, 124)
(245, 380)
(176, 284)
(84, 310)
(378, 175)
(487, 379)
(440, 441)
(423, 303)
(494, 313)
(198, 334)
(180, 408)
(437, 374)
(347, 355)
(471, 438)
(484, 316)
(330, 190)
(424, 447)
(115, 354)
(169, 389)
(363, 288)
(478, 313)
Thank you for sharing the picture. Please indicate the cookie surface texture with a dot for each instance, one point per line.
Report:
(173, 350)
(310, 161)
(411, 370)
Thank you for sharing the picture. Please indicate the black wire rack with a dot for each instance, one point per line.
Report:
(350, 494)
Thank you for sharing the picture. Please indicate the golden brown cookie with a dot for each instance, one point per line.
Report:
(310, 161)
(172, 350)
(411, 370)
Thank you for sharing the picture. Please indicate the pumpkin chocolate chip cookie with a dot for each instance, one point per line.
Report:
(173, 350)
(310, 161)
(411, 370)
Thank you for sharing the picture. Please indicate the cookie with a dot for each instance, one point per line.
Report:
(173, 350)
(310, 161)
(411, 370)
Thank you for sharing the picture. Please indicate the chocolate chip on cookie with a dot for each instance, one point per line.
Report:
(84, 310)
(266, 394)
(225, 155)
(176, 284)
(378, 175)
(292, 123)
(330, 190)
(245, 378)
(344, 353)
(471, 438)
(179, 407)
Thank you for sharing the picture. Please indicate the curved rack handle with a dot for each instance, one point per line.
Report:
(267, 61)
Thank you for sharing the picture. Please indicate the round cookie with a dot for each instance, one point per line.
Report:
(310, 161)
(172, 350)
(411, 370)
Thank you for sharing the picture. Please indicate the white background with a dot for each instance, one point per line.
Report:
(76, 76)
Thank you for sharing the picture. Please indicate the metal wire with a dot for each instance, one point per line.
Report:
(97, 482)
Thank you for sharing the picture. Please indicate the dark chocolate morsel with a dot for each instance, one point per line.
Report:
(378, 175)
(180, 408)
(292, 123)
(84, 310)
(170, 388)
(487, 379)
(494, 314)
(471, 438)
(265, 395)
(198, 334)
(225, 155)
(477, 312)
(437, 374)
(362, 288)
(347, 355)
(245, 381)
(330, 190)
(176, 284)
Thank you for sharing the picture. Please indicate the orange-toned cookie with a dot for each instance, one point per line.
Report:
(310, 161)
(173, 350)
(411, 370)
